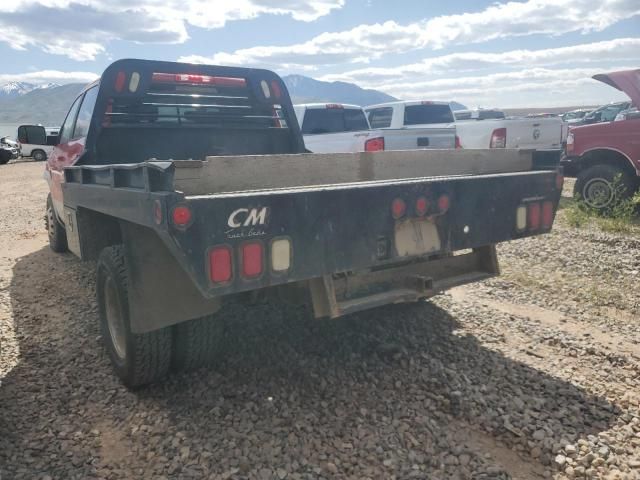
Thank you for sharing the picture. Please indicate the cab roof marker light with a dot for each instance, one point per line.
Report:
(265, 89)
(120, 79)
(134, 82)
(159, 77)
(275, 87)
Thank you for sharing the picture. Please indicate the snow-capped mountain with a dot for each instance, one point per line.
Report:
(15, 89)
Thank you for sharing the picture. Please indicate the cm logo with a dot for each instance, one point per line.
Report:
(248, 217)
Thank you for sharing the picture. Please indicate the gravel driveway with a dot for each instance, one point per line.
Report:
(532, 375)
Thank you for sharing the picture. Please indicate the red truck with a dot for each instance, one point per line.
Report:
(605, 157)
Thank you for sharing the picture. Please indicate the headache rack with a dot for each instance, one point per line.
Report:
(159, 97)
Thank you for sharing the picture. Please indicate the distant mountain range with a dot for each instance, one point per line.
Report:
(308, 90)
(22, 102)
(16, 89)
(45, 104)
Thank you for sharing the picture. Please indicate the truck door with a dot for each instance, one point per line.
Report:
(70, 144)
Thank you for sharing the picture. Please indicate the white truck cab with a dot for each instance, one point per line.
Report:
(414, 124)
(336, 128)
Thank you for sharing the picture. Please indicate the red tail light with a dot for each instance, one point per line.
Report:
(333, 105)
(199, 79)
(444, 203)
(533, 216)
(374, 145)
(422, 205)
(498, 138)
(458, 144)
(398, 208)
(252, 259)
(120, 78)
(559, 181)
(220, 266)
(547, 214)
(181, 216)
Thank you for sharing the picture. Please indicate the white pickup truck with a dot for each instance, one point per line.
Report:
(335, 128)
(474, 129)
(492, 129)
(411, 125)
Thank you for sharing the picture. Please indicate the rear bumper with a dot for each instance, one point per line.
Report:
(337, 295)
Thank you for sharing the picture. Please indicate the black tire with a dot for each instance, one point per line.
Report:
(603, 186)
(56, 231)
(197, 343)
(138, 359)
(39, 155)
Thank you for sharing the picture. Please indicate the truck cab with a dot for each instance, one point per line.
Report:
(336, 127)
(605, 156)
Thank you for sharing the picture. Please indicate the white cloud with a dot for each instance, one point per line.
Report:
(46, 76)
(80, 29)
(529, 87)
(369, 42)
(596, 53)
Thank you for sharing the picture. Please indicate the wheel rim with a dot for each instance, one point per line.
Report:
(38, 156)
(51, 219)
(598, 193)
(115, 322)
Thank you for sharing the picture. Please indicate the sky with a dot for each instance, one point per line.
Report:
(527, 53)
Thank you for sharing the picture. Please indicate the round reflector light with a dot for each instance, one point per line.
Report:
(422, 206)
(444, 203)
(181, 216)
(398, 208)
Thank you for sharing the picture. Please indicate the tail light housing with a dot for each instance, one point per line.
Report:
(498, 138)
(570, 142)
(374, 144)
(458, 143)
(559, 181)
(547, 214)
(332, 106)
(220, 264)
(252, 259)
(534, 215)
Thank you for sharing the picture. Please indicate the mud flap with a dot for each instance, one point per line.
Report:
(161, 293)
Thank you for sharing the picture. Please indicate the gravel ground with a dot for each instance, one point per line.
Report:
(535, 374)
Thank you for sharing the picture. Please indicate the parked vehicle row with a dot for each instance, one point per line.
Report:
(34, 141)
(410, 125)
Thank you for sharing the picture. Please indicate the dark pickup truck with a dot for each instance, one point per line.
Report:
(191, 187)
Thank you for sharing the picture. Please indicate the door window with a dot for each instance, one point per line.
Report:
(380, 117)
(67, 128)
(84, 114)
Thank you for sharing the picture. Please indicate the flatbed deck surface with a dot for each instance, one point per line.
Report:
(258, 172)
